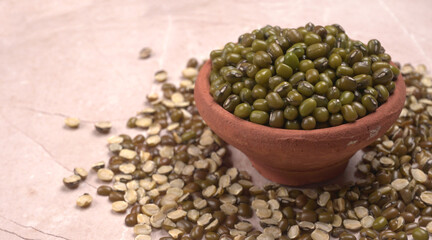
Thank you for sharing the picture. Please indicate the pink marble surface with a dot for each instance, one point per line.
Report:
(79, 58)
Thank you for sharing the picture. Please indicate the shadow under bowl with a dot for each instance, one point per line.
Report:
(296, 157)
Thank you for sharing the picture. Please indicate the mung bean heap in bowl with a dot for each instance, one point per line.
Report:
(299, 102)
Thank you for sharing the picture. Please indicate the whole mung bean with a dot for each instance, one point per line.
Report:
(420, 234)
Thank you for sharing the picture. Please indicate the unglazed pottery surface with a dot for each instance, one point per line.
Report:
(297, 157)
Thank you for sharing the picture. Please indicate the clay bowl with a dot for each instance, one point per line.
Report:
(296, 157)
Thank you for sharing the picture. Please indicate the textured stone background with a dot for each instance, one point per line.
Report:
(79, 58)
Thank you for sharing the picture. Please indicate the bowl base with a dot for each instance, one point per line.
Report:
(293, 178)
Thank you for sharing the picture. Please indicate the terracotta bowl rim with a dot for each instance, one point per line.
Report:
(203, 83)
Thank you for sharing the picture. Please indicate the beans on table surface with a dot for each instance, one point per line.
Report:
(288, 67)
(179, 183)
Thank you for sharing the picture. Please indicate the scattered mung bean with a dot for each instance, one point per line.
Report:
(119, 206)
(104, 190)
(145, 53)
(105, 174)
(161, 76)
(72, 181)
(72, 122)
(103, 127)
(84, 200)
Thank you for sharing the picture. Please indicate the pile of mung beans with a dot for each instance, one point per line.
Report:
(304, 78)
(174, 178)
